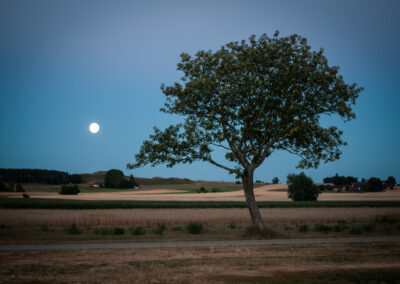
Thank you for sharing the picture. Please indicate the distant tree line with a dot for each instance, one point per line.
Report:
(38, 176)
(340, 180)
(351, 183)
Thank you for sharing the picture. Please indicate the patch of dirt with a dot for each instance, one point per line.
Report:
(196, 265)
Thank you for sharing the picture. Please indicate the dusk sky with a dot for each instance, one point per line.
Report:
(65, 64)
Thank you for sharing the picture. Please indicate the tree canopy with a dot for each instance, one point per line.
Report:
(251, 98)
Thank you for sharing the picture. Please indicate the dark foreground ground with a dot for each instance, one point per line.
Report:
(303, 263)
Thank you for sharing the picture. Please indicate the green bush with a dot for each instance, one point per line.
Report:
(202, 190)
(118, 231)
(160, 229)
(103, 231)
(303, 228)
(137, 231)
(356, 230)
(44, 228)
(322, 228)
(69, 190)
(340, 226)
(73, 230)
(386, 220)
(302, 188)
(275, 180)
(195, 228)
(368, 228)
(232, 226)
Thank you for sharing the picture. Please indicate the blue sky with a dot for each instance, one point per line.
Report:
(64, 64)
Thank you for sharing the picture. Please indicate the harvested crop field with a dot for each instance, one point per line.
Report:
(273, 192)
(127, 217)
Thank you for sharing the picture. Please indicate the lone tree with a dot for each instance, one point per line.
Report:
(251, 98)
(113, 178)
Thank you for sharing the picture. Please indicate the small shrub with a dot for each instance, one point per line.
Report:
(44, 228)
(118, 231)
(368, 228)
(232, 226)
(103, 231)
(386, 220)
(302, 188)
(216, 189)
(176, 228)
(73, 230)
(195, 228)
(322, 228)
(303, 228)
(356, 230)
(202, 190)
(69, 190)
(137, 231)
(338, 228)
(389, 229)
(160, 229)
(341, 226)
(25, 195)
(237, 182)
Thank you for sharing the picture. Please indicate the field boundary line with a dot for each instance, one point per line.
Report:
(126, 245)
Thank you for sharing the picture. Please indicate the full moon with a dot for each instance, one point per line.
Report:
(94, 127)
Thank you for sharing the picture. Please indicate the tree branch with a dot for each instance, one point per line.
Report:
(219, 165)
(239, 155)
(220, 145)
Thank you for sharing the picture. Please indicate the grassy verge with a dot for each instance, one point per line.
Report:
(195, 231)
(37, 203)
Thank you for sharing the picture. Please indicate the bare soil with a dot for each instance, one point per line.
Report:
(327, 263)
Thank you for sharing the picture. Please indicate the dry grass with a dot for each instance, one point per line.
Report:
(128, 217)
(201, 265)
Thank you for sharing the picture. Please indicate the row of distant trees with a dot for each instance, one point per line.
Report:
(38, 176)
(302, 187)
(349, 180)
(372, 184)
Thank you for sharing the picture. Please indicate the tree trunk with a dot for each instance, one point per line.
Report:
(251, 201)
